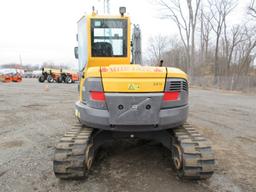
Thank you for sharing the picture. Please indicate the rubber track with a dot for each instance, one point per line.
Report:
(69, 157)
(198, 158)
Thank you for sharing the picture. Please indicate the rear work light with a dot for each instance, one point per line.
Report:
(171, 96)
(97, 95)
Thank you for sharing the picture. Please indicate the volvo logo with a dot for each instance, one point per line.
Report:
(134, 107)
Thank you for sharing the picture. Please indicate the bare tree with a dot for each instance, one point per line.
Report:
(175, 56)
(237, 36)
(205, 30)
(225, 52)
(186, 21)
(252, 9)
(158, 45)
(193, 13)
(219, 10)
(246, 51)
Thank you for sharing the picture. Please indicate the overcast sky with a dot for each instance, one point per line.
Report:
(44, 30)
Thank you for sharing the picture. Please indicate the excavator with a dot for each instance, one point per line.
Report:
(122, 99)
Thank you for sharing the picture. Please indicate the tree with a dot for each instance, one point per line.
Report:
(205, 30)
(219, 10)
(185, 18)
(252, 9)
(237, 36)
(158, 45)
(225, 52)
(248, 45)
(175, 56)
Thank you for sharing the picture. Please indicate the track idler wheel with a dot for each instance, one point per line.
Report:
(177, 157)
(89, 156)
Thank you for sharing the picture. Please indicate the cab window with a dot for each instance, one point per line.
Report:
(109, 37)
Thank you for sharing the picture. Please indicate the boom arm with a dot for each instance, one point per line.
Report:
(136, 45)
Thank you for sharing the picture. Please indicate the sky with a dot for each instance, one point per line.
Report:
(40, 31)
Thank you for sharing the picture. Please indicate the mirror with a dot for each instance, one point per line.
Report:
(76, 52)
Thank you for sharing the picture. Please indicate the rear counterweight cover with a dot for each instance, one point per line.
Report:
(134, 109)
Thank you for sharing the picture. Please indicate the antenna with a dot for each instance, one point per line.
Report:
(106, 6)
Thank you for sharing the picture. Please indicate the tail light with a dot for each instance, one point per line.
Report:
(171, 96)
(97, 95)
(175, 93)
(93, 94)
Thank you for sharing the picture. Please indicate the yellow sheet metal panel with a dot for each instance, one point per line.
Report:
(133, 71)
(106, 61)
(81, 85)
(139, 85)
(176, 73)
(92, 72)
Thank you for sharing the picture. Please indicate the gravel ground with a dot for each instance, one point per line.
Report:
(34, 116)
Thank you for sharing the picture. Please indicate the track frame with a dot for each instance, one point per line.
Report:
(191, 153)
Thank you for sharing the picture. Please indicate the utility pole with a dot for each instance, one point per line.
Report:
(20, 59)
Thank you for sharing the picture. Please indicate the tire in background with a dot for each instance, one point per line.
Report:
(50, 79)
(41, 78)
(59, 80)
(68, 80)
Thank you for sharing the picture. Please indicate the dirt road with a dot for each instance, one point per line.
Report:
(34, 116)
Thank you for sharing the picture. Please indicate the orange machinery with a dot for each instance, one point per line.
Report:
(10, 75)
(58, 75)
(16, 77)
(5, 78)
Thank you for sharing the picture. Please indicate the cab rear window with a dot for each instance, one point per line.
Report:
(109, 37)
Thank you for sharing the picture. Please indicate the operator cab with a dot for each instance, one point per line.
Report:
(103, 41)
